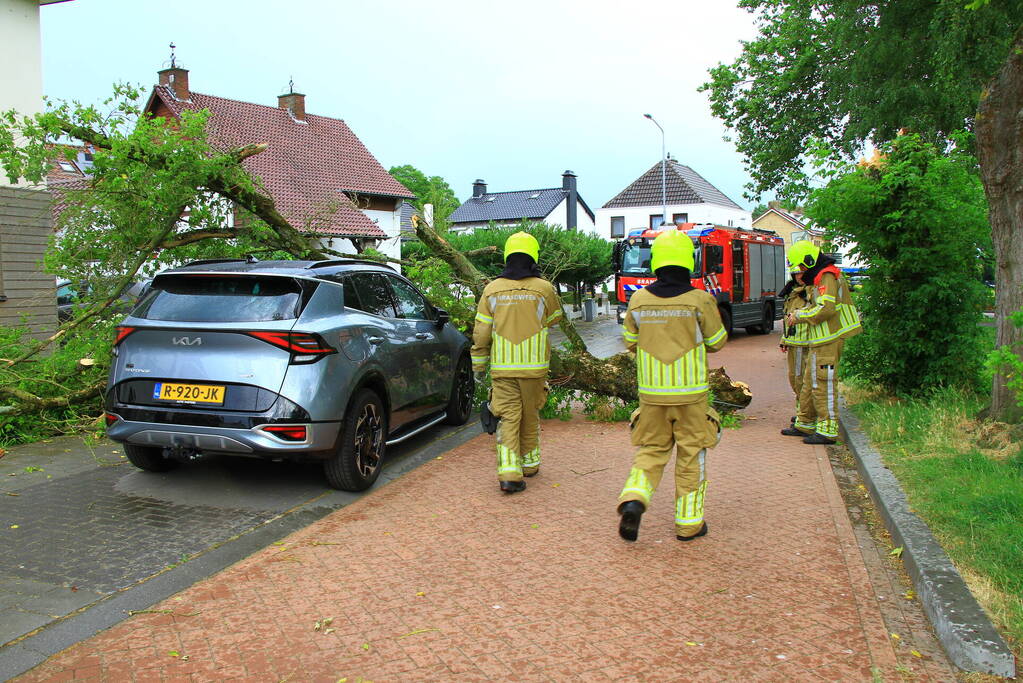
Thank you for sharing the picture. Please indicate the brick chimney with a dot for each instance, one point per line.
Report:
(294, 102)
(572, 195)
(176, 79)
(479, 188)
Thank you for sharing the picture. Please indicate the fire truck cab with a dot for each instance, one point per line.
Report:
(743, 269)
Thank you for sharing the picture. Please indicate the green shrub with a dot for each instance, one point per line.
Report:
(919, 219)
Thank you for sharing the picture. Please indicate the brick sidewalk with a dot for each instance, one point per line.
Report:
(439, 577)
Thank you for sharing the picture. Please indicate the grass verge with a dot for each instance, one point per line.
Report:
(964, 478)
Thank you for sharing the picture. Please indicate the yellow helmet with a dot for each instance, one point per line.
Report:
(522, 243)
(672, 248)
(802, 253)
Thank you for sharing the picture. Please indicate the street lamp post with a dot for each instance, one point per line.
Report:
(664, 164)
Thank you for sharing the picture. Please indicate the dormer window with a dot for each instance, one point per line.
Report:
(67, 166)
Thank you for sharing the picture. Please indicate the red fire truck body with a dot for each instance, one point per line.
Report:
(743, 269)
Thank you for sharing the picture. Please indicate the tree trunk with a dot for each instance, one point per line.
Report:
(1000, 151)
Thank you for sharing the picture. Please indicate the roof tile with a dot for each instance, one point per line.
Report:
(307, 166)
(683, 185)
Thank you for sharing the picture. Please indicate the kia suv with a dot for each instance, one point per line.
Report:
(306, 360)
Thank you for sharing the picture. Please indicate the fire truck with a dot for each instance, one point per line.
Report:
(743, 269)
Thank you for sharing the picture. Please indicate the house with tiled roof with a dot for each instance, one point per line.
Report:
(691, 198)
(554, 205)
(786, 222)
(321, 177)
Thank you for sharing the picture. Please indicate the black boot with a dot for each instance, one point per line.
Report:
(792, 420)
(631, 512)
(513, 486)
(701, 532)
(819, 439)
(792, 431)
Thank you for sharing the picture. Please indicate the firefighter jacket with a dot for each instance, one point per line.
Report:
(831, 314)
(511, 327)
(671, 337)
(797, 298)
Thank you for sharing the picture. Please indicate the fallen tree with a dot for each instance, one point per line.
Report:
(143, 181)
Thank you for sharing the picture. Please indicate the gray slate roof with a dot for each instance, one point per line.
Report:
(683, 186)
(503, 206)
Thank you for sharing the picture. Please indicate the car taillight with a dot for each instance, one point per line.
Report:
(287, 432)
(110, 418)
(304, 347)
(122, 332)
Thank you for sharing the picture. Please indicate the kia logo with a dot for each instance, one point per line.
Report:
(187, 341)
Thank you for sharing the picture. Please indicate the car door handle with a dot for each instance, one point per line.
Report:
(375, 340)
(422, 335)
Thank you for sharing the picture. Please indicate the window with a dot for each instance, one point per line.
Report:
(409, 303)
(68, 166)
(656, 220)
(617, 226)
(374, 296)
(731, 223)
(221, 299)
(679, 218)
(66, 295)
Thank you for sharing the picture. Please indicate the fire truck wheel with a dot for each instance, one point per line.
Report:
(726, 320)
(766, 325)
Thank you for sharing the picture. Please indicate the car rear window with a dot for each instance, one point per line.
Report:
(197, 298)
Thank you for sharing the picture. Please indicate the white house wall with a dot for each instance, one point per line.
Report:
(639, 216)
(388, 221)
(559, 216)
(21, 55)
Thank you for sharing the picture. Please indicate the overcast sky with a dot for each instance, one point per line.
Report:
(511, 92)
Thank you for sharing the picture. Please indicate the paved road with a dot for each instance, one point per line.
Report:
(438, 576)
(80, 524)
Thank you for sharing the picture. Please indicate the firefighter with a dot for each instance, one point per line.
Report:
(828, 320)
(510, 334)
(670, 326)
(795, 296)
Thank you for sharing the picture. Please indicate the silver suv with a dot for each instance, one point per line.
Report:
(324, 360)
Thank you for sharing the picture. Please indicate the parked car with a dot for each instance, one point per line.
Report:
(69, 295)
(329, 361)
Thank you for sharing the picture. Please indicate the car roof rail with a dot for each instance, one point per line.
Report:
(210, 261)
(343, 262)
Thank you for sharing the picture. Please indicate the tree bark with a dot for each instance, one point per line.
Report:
(1000, 151)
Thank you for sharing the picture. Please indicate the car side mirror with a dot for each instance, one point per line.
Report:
(443, 317)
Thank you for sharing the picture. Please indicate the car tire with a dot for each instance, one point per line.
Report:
(148, 458)
(726, 320)
(463, 389)
(360, 455)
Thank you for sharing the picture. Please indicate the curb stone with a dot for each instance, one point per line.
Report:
(962, 626)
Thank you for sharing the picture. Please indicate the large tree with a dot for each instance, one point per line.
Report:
(428, 190)
(850, 72)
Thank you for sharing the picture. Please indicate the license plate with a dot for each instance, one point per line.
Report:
(188, 393)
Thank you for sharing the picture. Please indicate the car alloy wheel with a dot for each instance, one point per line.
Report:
(369, 438)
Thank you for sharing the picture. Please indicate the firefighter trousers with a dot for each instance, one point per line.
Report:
(517, 402)
(691, 428)
(818, 397)
(796, 356)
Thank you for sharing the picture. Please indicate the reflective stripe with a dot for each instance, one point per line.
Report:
(828, 428)
(529, 354)
(639, 485)
(689, 508)
(630, 336)
(532, 458)
(507, 461)
(813, 364)
(802, 426)
(716, 337)
(553, 316)
(826, 297)
(484, 318)
(687, 375)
